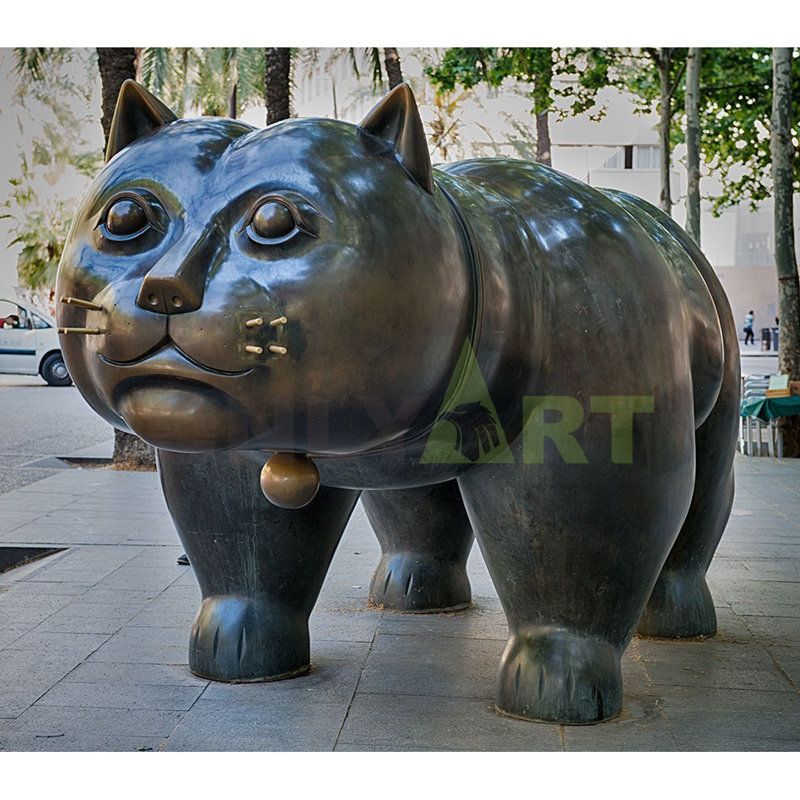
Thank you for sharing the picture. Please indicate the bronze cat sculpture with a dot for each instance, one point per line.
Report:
(488, 347)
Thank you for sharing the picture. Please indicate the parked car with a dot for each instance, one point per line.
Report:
(29, 343)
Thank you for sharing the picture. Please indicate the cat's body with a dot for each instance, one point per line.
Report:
(491, 346)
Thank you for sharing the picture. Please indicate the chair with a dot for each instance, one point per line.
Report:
(750, 428)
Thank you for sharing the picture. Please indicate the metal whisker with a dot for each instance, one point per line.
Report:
(76, 301)
(254, 323)
(278, 321)
(254, 349)
(276, 348)
(83, 331)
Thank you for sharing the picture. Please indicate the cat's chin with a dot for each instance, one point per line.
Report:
(187, 418)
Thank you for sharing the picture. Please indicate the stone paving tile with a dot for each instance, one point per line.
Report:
(11, 632)
(484, 620)
(788, 661)
(133, 674)
(641, 726)
(78, 722)
(359, 626)
(291, 723)
(142, 577)
(19, 742)
(121, 695)
(11, 520)
(721, 666)
(775, 630)
(23, 589)
(327, 682)
(30, 610)
(727, 743)
(25, 675)
(429, 665)
(399, 722)
(132, 645)
(81, 617)
(730, 713)
(78, 645)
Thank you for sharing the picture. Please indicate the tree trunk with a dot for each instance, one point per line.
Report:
(693, 61)
(391, 61)
(116, 65)
(233, 102)
(664, 124)
(277, 83)
(782, 151)
(543, 148)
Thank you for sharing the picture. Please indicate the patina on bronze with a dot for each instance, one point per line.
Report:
(318, 291)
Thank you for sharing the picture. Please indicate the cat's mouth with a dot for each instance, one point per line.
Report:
(166, 350)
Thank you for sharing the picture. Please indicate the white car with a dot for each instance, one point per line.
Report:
(29, 343)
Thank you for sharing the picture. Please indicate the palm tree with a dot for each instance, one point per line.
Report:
(391, 61)
(219, 81)
(116, 65)
(277, 83)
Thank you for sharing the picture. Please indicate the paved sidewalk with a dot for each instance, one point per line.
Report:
(93, 644)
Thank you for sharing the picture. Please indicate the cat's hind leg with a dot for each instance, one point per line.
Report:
(260, 568)
(680, 604)
(425, 537)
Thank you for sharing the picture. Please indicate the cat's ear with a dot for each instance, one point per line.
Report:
(396, 120)
(137, 113)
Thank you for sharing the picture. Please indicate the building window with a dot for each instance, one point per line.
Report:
(617, 160)
(646, 156)
(633, 157)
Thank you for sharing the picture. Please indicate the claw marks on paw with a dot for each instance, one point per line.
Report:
(597, 699)
(570, 684)
(388, 579)
(242, 646)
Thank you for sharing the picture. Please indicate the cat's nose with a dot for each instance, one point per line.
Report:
(168, 295)
(175, 285)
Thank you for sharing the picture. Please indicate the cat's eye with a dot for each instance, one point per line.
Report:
(272, 222)
(125, 218)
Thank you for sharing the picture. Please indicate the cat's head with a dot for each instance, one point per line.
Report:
(300, 287)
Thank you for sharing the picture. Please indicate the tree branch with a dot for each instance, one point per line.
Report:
(677, 80)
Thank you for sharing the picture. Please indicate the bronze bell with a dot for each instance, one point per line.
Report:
(290, 480)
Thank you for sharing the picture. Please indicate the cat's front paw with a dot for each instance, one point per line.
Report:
(237, 638)
(554, 675)
(419, 583)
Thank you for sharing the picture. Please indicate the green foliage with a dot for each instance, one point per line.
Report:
(638, 73)
(63, 96)
(736, 104)
(53, 98)
(184, 77)
(590, 69)
(41, 229)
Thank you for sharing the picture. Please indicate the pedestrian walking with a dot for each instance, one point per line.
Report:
(749, 319)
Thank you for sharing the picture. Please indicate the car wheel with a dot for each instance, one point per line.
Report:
(54, 370)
